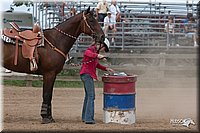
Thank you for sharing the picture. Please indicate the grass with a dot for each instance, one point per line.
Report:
(72, 72)
(58, 84)
(19, 83)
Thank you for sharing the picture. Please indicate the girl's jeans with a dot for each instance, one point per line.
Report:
(88, 105)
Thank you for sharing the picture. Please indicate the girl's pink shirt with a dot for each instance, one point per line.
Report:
(90, 68)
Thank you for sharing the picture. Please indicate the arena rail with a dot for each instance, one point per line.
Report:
(157, 71)
(140, 31)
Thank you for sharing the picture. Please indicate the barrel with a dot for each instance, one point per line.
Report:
(119, 99)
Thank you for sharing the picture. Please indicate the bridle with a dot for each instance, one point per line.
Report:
(86, 23)
(71, 36)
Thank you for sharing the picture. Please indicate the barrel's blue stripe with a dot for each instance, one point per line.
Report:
(119, 102)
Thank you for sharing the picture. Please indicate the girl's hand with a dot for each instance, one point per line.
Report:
(110, 70)
(100, 56)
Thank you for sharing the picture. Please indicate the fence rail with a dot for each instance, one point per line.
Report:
(142, 27)
(154, 66)
(132, 35)
(142, 23)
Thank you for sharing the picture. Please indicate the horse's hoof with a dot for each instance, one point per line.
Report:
(47, 120)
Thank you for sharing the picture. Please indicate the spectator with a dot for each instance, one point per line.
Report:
(191, 30)
(114, 9)
(109, 24)
(71, 13)
(170, 29)
(185, 21)
(189, 15)
(101, 10)
(88, 75)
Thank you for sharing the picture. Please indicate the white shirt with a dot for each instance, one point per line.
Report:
(108, 21)
(114, 10)
(170, 27)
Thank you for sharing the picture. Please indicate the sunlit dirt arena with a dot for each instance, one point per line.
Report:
(157, 109)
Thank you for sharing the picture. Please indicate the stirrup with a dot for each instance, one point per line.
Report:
(33, 65)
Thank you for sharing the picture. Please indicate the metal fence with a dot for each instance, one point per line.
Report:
(141, 26)
(142, 33)
(51, 13)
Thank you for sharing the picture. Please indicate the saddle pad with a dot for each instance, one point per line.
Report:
(40, 42)
(7, 39)
(28, 35)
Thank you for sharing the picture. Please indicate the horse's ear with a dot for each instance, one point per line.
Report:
(92, 9)
(88, 10)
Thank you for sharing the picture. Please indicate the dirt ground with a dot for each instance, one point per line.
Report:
(155, 107)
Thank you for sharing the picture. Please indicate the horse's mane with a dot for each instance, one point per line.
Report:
(61, 22)
(68, 19)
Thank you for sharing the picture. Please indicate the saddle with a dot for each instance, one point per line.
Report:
(30, 40)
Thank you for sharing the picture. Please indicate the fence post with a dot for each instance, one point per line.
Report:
(29, 81)
(198, 21)
(123, 35)
(167, 40)
(162, 58)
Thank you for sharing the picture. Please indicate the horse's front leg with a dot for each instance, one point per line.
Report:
(48, 83)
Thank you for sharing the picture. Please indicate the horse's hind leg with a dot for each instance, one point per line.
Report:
(48, 82)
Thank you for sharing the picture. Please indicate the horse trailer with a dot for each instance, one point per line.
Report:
(23, 19)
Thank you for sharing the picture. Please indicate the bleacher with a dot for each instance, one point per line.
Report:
(141, 26)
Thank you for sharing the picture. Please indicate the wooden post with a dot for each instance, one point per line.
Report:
(29, 81)
(162, 65)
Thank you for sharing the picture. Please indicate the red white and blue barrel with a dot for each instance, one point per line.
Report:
(119, 99)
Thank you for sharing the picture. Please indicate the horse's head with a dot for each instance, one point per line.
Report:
(90, 26)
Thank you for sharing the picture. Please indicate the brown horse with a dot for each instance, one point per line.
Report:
(51, 61)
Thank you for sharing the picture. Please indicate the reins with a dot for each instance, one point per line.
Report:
(80, 64)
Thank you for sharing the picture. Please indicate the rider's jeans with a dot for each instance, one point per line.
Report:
(88, 105)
